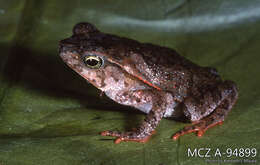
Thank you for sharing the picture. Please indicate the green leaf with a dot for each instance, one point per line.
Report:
(50, 115)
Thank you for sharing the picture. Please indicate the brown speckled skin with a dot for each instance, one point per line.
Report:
(151, 78)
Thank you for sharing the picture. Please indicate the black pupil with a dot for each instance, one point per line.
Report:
(92, 62)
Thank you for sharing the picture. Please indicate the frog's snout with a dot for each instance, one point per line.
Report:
(67, 45)
(68, 42)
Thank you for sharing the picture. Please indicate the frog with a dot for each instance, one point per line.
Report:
(154, 79)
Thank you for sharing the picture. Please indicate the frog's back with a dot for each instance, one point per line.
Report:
(162, 67)
(171, 71)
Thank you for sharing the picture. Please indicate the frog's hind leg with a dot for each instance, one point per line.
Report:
(228, 95)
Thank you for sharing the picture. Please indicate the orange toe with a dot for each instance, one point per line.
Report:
(144, 140)
(125, 138)
(195, 127)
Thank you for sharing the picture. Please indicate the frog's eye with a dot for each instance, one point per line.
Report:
(93, 62)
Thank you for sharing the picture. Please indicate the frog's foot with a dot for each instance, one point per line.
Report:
(127, 136)
(200, 127)
(229, 94)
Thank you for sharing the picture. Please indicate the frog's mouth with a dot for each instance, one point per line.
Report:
(72, 59)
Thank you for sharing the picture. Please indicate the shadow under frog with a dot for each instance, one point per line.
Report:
(153, 79)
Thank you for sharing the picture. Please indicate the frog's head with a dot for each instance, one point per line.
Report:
(103, 58)
(89, 53)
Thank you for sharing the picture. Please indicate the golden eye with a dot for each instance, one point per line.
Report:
(93, 62)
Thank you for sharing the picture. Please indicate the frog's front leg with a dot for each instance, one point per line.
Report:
(147, 100)
(141, 134)
(211, 110)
